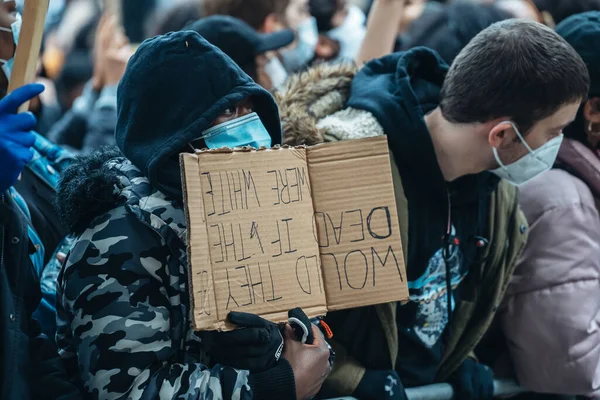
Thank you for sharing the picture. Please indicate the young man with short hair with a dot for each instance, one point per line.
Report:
(460, 138)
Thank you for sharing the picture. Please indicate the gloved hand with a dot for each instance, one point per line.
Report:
(377, 385)
(16, 138)
(473, 381)
(256, 346)
(301, 325)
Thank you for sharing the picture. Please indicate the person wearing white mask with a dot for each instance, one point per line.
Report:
(251, 50)
(10, 28)
(462, 137)
(342, 28)
(302, 52)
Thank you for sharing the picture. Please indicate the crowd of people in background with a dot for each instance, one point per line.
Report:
(491, 109)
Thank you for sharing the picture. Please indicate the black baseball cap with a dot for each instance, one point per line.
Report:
(239, 40)
(582, 31)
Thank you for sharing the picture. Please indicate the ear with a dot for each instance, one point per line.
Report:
(271, 24)
(591, 110)
(501, 135)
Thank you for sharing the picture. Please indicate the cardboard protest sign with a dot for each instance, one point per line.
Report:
(274, 229)
(30, 42)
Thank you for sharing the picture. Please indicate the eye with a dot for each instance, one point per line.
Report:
(229, 111)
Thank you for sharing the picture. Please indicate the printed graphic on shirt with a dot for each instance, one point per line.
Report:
(429, 292)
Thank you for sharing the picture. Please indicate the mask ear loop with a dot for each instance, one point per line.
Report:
(519, 135)
(192, 147)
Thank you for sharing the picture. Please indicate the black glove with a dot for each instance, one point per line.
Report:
(256, 347)
(377, 385)
(301, 325)
(473, 381)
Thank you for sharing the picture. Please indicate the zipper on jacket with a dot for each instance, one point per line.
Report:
(447, 242)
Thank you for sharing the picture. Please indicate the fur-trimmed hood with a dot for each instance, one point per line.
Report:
(309, 97)
(97, 183)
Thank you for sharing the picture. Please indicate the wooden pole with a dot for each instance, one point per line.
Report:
(30, 42)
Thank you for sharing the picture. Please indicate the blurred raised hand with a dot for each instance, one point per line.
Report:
(16, 137)
(111, 53)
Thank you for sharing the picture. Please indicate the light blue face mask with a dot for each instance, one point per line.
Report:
(244, 131)
(15, 30)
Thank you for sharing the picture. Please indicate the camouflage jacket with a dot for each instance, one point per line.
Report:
(123, 305)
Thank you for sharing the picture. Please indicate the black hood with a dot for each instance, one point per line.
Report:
(399, 90)
(174, 87)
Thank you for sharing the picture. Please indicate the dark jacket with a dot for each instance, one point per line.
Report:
(29, 363)
(35, 193)
(391, 96)
(124, 326)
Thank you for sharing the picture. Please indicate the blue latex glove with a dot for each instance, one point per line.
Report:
(473, 381)
(16, 138)
(380, 385)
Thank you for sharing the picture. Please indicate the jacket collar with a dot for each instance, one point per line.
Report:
(149, 204)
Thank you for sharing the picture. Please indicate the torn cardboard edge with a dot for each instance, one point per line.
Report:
(336, 172)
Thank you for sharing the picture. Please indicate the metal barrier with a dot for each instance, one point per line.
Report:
(444, 391)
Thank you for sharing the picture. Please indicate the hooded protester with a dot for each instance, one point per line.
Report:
(453, 133)
(124, 311)
(550, 314)
(247, 47)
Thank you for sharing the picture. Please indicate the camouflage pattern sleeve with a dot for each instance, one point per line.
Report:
(116, 324)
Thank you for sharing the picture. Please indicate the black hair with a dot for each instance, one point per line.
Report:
(516, 68)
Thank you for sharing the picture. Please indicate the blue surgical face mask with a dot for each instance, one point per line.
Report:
(245, 131)
(15, 30)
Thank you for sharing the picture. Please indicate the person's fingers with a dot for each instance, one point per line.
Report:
(11, 103)
(25, 154)
(121, 55)
(243, 319)
(119, 38)
(21, 154)
(108, 30)
(100, 25)
(19, 123)
(288, 333)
